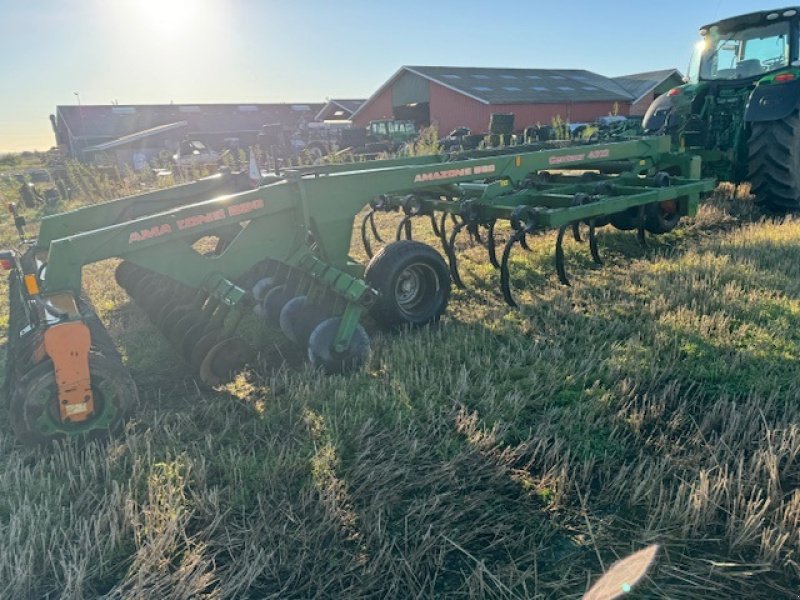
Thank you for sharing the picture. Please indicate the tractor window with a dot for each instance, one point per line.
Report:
(745, 53)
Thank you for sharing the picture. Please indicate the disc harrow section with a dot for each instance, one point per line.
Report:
(215, 263)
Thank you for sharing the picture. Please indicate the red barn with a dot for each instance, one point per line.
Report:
(451, 97)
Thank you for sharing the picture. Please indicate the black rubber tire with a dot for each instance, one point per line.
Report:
(658, 220)
(412, 263)
(299, 318)
(774, 163)
(625, 220)
(321, 352)
(111, 383)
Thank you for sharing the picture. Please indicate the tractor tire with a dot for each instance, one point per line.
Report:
(774, 163)
(413, 284)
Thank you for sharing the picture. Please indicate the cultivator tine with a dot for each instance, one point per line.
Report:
(505, 279)
(560, 269)
(451, 255)
(404, 226)
(593, 244)
(364, 236)
(435, 226)
(491, 245)
(524, 243)
(374, 227)
(640, 236)
(576, 231)
(443, 231)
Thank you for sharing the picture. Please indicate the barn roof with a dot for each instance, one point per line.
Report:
(108, 122)
(525, 86)
(640, 84)
(349, 106)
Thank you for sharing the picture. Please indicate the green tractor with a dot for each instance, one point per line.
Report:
(739, 107)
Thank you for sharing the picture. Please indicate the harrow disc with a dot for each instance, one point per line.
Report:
(322, 354)
(224, 359)
(34, 412)
(202, 347)
(273, 303)
(299, 317)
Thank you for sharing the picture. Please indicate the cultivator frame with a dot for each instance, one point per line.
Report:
(283, 249)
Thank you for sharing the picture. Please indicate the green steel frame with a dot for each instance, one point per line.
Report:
(304, 218)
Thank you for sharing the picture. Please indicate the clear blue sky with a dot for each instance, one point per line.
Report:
(153, 51)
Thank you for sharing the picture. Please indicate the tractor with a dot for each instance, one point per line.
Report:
(738, 110)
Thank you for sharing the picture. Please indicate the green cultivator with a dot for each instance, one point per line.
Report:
(205, 259)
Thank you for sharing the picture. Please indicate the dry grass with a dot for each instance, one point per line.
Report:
(505, 454)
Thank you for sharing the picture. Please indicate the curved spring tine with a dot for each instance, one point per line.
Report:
(453, 218)
(443, 231)
(505, 280)
(404, 226)
(491, 246)
(562, 272)
(593, 243)
(374, 227)
(435, 226)
(640, 227)
(524, 243)
(364, 236)
(474, 233)
(451, 256)
(576, 231)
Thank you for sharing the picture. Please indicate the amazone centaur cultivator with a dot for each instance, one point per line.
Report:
(206, 258)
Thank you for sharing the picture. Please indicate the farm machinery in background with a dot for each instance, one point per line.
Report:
(217, 265)
(319, 140)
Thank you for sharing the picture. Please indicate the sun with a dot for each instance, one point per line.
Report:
(169, 16)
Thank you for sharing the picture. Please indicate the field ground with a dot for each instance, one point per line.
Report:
(504, 454)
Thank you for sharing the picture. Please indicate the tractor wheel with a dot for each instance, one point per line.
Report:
(322, 354)
(774, 163)
(413, 284)
(34, 413)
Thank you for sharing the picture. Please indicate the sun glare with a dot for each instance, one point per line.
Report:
(169, 16)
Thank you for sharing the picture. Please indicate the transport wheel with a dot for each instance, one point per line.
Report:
(774, 163)
(203, 347)
(224, 359)
(413, 284)
(322, 354)
(34, 413)
(273, 303)
(299, 317)
(662, 217)
(625, 220)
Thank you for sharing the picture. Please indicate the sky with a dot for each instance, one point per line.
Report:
(55, 52)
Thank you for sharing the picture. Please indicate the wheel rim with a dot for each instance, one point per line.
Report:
(416, 288)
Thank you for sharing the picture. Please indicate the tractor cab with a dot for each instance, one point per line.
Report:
(745, 48)
(744, 79)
